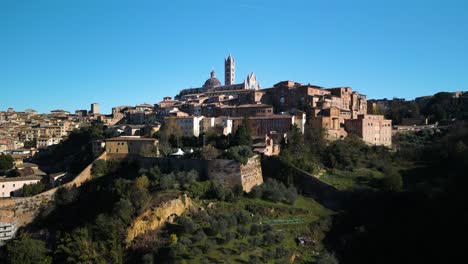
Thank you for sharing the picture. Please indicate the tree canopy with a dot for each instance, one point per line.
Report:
(6, 163)
(243, 135)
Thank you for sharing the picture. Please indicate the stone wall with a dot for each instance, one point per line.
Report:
(155, 218)
(305, 183)
(251, 173)
(228, 173)
(27, 208)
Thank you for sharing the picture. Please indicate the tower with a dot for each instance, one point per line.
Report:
(94, 108)
(229, 70)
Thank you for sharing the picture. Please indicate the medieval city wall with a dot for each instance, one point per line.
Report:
(305, 183)
(27, 208)
(228, 173)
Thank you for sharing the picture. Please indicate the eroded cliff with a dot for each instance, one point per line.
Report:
(155, 217)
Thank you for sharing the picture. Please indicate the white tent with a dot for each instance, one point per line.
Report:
(179, 152)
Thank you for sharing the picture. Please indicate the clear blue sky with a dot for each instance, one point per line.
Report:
(67, 54)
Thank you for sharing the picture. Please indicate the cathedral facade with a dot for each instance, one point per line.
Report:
(214, 85)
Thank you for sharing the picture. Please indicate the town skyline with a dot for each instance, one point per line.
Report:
(89, 52)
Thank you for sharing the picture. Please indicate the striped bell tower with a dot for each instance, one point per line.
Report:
(229, 70)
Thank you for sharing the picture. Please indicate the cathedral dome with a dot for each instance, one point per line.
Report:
(213, 81)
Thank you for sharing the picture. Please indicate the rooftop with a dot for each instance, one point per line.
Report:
(130, 138)
(263, 117)
(16, 179)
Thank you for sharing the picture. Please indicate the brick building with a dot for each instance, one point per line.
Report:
(373, 129)
(263, 125)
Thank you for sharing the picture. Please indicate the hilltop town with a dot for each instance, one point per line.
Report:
(219, 143)
(217, 108)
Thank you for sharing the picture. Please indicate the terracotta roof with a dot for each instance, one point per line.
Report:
(247, 106)
(16, 179)
(130, 138)
(265, 117)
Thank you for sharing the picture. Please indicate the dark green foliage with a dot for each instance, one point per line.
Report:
(346, 154)
(209, 152)
(216, 230)
(99, 168)
(217, 140)
(6, 163)
(216, 191)
(243, 137)
(80, 247)
(275, 191)
(33, 189)
(327, 258)
(74, 153)
(192, 141)
(123, 210)
(25, 250)
(170, 133)
(178, 180)
(442, 107)
(66, 195)
(30, 144)
(392, 179)
(239, 153)
(304, 151)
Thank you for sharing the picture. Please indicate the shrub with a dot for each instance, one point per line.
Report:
(392, 179)
(209, 152)
(26, 250)
(239, 153)
(99, 168)
(216, 191)
(6, 163)
(33, 189)
(327, 258)
(65, 195)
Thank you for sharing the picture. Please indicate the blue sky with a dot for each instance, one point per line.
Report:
(69, 53)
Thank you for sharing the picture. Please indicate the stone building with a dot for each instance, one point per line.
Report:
(8, 222)
(129, 145)
(94, 109)
(190, 125)
(245, 109)
(214, 85)
(373, 129)
(43, 143)
(331, 120)
(12, 186)
(263, 125)
(221, 125)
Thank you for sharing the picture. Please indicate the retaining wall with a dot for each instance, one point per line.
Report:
(228, 173)
(27, 208)
(306, 183)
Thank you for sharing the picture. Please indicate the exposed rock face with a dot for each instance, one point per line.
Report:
(251, 174)
(155, 218)
(230, 173)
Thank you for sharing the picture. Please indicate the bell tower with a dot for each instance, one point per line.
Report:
(229, 70)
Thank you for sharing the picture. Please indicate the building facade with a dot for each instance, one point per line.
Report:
(373, 129)
(129, 145)
(13, 186)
